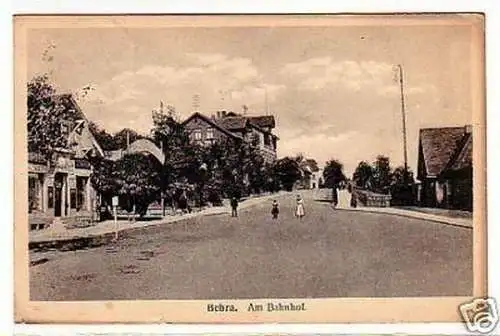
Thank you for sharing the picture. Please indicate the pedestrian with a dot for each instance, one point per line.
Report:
(275, 210)
(335, 196)
(354, 200)
(299, 209)
(234, 207)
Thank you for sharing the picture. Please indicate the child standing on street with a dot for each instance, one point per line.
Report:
(299, 209)
(275, 210)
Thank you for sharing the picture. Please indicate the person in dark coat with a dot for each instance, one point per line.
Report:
(234, 207)
(275, 210)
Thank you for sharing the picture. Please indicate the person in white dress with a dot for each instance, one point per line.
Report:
(299, 209)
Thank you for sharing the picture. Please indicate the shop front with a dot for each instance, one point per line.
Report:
(59, 191)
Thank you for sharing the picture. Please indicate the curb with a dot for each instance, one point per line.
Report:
(435, 220)
(102, 238)
(107, 235)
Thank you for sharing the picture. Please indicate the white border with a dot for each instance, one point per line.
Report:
(253, 6)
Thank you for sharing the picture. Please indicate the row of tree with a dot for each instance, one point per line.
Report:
(380, 177)
(205, 174)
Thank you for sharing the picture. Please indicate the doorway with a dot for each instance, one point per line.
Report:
(58, 194)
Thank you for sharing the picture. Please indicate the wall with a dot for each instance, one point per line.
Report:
(202, 126)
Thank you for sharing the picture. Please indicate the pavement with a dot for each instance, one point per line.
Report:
(106, 228)
(328, 253)
(345, 199)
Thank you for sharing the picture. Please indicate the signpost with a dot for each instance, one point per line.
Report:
(115, 206)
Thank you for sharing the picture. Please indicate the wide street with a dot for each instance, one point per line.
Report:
(330, 253)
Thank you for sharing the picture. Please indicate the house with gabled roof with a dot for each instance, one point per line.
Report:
(445, 167)
(229, 125)
(59, 186)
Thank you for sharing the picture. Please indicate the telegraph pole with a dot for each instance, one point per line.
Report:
(403, 115)
(196, 102)
(267, 102)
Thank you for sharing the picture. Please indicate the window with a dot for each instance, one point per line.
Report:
(50, 191)
(33, 194)
(72, 198)
(210, 133)
(197, 134)
(256, 139)
(81, 183)
(314, 176)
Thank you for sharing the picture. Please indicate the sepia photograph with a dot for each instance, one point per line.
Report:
(251, 163)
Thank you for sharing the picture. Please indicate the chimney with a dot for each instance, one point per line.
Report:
(218, 115)
(468, 129)
(213, 116)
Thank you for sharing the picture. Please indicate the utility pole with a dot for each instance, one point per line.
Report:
(403, 115)
(196, 102)
(128, 139)
(267, 101)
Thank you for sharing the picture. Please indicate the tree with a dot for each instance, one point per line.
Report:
(402, 190)
(362, 175)
(50, 115)
(125, 135)
(398, 176)
(102, 179)
(313, 164)
(381, 174)
(46, 115)
(103, 138)
(287, 172)
(138, 179)
(333, 173)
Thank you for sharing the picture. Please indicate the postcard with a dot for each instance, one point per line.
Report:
(250, 169)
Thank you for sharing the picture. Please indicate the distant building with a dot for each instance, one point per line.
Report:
(445, 167)
(60, 186)
(317, 180)
(229, 125)
(311, 175)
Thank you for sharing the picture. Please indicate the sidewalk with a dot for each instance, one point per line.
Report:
(409, 212)
(461, 222)
(108, 228)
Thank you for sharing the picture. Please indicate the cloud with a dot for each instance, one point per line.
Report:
(325, 73)
(218, 80)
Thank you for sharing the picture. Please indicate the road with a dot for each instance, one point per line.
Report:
(330, 253)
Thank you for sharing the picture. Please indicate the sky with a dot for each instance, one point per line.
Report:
(333, 90)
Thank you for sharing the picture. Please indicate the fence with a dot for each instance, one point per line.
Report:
(371, 199)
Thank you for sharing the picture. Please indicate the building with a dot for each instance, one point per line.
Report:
(317, 180)
(229, 125)
(59, 187)
(445, 167)
(311, 175)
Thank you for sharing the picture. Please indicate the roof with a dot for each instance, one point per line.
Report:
(263, 121)
(463, 159)
(67, 100)
(232, 123)
(439, 147)
(212, 123)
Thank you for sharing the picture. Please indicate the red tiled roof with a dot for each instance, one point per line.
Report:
(439, 146)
